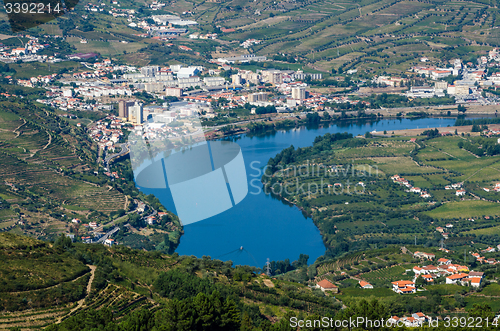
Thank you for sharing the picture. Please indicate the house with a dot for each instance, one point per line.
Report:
(439, 229)
(428, 278)
(93, 225)
(326, 285)
(458, 268)
(475, 281)
(475, 274)
(365, 285)
(456, 278)
(150, 220)
(75, 220)
(393, 320)
(460, 192)
(423, 255)
(87, 240)
(417, 270)
(411, 321)
(488, 250)
(109, 242)
(442, 261)
(404, 287)
(420, 316)
(429, 269)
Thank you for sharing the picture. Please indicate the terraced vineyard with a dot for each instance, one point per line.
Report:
(337, 265)
(47, 171)
(383, 277)
(42, 284)
(370, 210)
(374, 36)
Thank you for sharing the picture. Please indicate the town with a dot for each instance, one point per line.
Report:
(223, 86)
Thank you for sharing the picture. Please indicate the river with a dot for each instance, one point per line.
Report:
(260, 226)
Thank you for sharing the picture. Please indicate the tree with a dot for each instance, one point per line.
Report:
(63, 241)
(482, 310)
(246, 322)
(313, 118)
(461, 109)
(420, 281)
(311, 271)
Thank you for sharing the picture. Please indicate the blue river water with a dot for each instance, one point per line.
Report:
(260, 226)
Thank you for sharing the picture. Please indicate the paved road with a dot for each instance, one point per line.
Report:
(124, 149)
(107, 235)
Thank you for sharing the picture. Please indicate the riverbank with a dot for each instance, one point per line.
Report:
(275, 119)
(467, 129)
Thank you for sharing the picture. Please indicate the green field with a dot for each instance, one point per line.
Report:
(373, 36)
(362, 293)
(465, 209)
(385, 212)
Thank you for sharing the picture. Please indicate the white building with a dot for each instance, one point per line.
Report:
(299, 93)
(214, 81)
(135, 113)
(187, 72)
(109, 242)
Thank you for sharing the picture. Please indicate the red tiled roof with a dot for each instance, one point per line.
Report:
(326, 284)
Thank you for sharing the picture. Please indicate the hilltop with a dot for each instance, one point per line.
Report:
(317, 36)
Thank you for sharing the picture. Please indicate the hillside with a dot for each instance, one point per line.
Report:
(372, 36)
(91, 287)
(121, 284)
(369, 192)
(50, 178)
